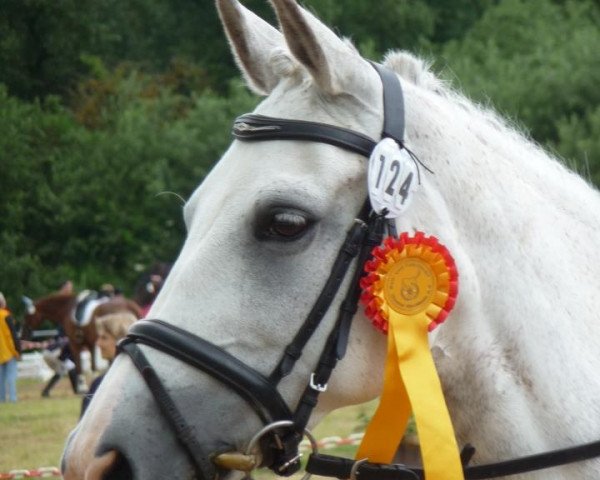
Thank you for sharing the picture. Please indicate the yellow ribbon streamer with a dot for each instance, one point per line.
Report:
(413, 286)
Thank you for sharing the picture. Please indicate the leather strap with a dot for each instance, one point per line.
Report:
(330, 466)
(253, 127)
(338, 467)
(347, 253)
(335, 347)
(393, 104)
(205, 469)
(253, 387)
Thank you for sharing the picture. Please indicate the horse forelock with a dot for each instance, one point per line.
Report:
(283, 64)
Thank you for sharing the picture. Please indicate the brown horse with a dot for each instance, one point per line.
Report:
(59, 308)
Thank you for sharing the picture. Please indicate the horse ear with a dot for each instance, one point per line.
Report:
(253, 41)
(335, 64)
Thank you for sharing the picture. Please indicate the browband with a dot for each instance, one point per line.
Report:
(254, 127)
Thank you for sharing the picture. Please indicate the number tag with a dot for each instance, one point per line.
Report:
(393, 178)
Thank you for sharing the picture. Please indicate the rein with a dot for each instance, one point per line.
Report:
(284, 429)
(330, 466)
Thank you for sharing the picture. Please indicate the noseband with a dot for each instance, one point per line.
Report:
(284, 429)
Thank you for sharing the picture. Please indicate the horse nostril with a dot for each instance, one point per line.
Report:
(111, 465)
(121, 469)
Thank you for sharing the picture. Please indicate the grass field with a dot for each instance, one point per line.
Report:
(33, 431)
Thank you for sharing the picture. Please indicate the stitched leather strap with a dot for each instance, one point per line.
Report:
(253, 127)
(393, 104)
(330, 466)
(253, 387)
(335, 347)
(347, 253)
(205, 469)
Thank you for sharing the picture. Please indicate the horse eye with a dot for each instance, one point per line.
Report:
(287, 225)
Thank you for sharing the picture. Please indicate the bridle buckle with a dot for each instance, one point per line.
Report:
(317, 386)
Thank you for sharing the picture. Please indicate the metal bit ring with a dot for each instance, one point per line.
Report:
(282, 423)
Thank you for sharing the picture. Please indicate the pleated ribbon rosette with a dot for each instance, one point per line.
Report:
(409, 288)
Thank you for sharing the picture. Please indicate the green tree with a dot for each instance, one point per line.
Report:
(91, 204)
(538, 61)
(377, 27)
(40, 45)
(113, 110)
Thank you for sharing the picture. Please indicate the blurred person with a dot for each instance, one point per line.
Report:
(57, 355)
(107, 290)
(149, 285)
(10, 352)
(111, 328)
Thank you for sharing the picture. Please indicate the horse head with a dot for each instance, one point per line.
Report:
(271, 239)
(268, 222)
(32, 318)
(55, 307)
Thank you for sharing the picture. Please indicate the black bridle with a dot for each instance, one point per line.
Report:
(280, 448)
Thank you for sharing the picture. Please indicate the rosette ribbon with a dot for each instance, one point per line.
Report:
(409, 288)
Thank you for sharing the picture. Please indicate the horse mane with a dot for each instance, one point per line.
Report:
(490, 128)
(416, 71)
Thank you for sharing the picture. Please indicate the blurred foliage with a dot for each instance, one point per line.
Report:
(538, 61)
(110, 111)
(90, 204)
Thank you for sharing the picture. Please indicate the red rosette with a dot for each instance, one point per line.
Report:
(410, 275)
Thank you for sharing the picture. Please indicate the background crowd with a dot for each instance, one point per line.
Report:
(56, 345)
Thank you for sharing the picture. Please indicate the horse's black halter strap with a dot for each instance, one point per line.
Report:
(329, 466)
(184, 434)
(258, 392)
(253, 127)
(261, 392)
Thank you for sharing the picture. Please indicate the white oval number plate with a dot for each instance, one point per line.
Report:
(393, 178)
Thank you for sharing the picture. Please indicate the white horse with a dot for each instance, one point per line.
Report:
(519, 355)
